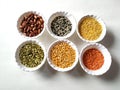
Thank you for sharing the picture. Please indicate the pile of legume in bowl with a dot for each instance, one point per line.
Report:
(61, 25)
(62, 55)
(30, 55)
(95, 59)
(31, 24)
(91, 28)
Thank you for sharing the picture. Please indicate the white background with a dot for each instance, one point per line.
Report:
(13, 78)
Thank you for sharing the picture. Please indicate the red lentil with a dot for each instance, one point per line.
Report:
(93, 59)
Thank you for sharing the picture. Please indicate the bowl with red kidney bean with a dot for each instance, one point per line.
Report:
(31, 24)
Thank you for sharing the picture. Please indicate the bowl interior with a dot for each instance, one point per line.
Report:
(20, 19)
(107, 59)
(58, 68)
(23, 67)
(103, 29)
(69, 17)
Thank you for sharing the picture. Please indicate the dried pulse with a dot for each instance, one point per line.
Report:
(90, 28)
(61, 26)
(32, 25)
(62, 55)
(31, 55)
(93, 59)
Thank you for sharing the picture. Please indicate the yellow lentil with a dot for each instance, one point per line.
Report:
(62, 55)
(90, 28)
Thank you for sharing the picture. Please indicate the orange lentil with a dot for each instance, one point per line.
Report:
(93, 59)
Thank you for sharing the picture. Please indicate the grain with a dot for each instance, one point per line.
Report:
(31, 55)
(93, 59)
(32, 25)
(90, 28)
(62, 55)
(61, 26)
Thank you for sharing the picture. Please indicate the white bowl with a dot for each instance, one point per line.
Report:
(22, 17)
(67, 15)
(18, 61)
(107, 59)
(102, 35)
(58, 68)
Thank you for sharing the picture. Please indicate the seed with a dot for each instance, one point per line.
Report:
(90, 28)
(93, 59)
(61, 26)
(31, 23)
(62, 55)
(31, 55)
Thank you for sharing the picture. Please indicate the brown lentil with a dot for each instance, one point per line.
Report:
(90, 28)
(32, 25)
(93, 59)
(62, 55)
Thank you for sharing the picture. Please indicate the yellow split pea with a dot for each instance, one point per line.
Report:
(90, 28)
(62, 55)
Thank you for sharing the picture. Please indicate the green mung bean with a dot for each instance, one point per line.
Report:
(31, 55)
(61, 26)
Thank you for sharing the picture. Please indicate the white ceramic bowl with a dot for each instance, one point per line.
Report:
(18, 61)
(58, 68)
(25, 15)
(107, 59)
(69, 16)
(102, 35)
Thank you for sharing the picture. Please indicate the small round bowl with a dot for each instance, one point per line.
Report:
(20, 19)
(56, 67)
(107, 59)
(69, 16)
(18, 61)
(102, 35)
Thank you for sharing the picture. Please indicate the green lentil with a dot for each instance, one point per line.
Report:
(61, 26)
(31, 55)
